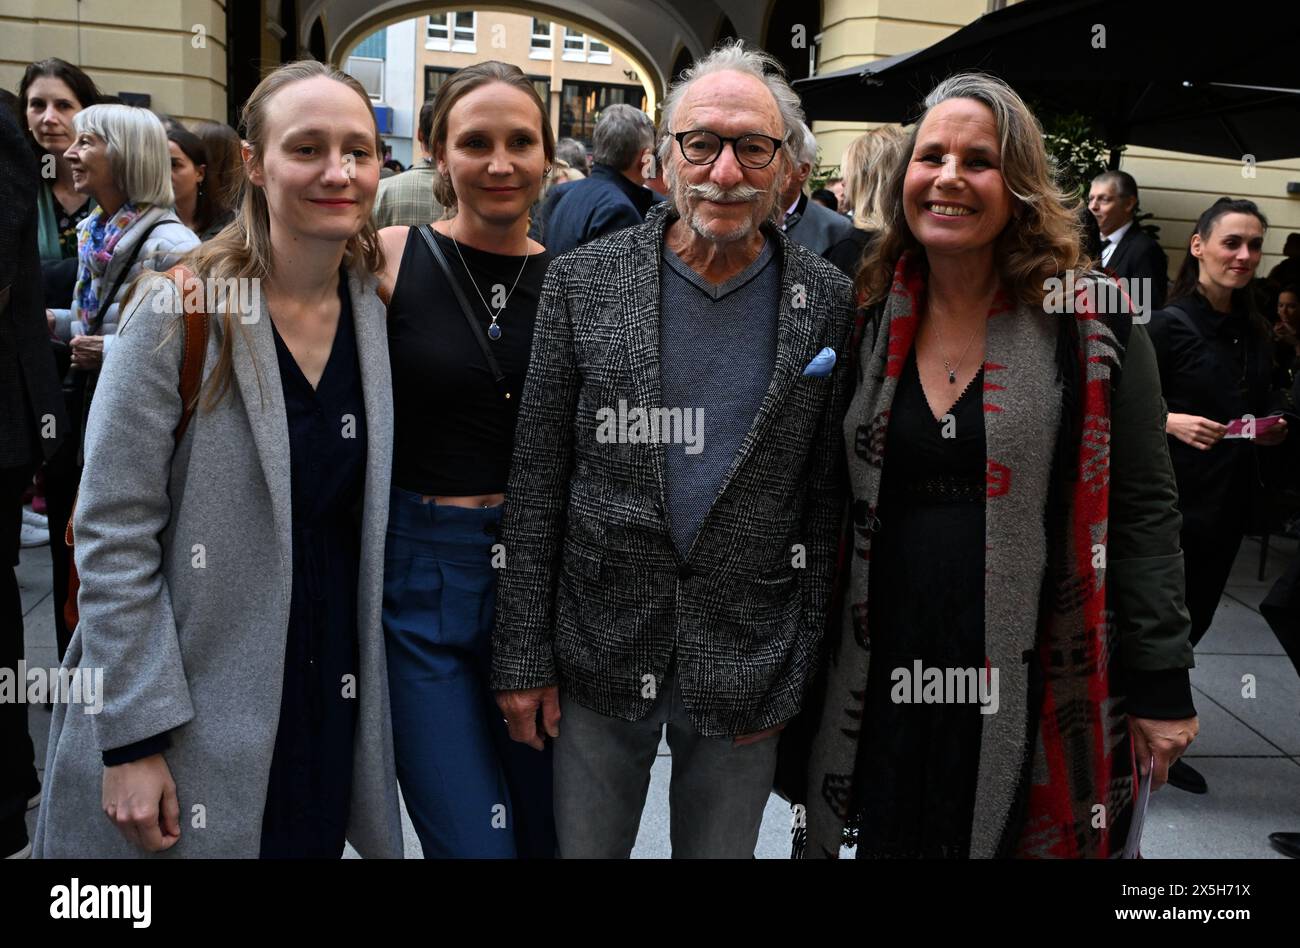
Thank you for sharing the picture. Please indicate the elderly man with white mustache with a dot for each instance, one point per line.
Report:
(672, 509)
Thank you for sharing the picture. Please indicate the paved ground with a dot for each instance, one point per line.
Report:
(1248, 749)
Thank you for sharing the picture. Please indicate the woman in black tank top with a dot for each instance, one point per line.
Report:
(471, 791)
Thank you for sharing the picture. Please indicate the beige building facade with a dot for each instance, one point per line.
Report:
(576, 73)
(1175, 187)
(173, 51)
(194, 58)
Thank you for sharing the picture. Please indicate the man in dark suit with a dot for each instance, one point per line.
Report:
(806, 222)
(32, 422)
(672, 513)
(614, 195)
(1125, 250)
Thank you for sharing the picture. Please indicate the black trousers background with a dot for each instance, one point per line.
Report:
(17, 756)
(1208, 555)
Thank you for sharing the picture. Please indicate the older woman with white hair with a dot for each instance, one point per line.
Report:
(120, 158)
(1014, 639)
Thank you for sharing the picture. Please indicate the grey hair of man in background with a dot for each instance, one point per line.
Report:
(622, 134)
(574, 153)
(1125, 185)
(804, 145)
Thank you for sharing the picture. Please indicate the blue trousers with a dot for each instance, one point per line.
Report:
(471, 791)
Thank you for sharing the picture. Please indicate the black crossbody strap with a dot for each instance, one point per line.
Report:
(427, 233)
(94, 328)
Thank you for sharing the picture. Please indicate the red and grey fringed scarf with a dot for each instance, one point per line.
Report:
(1055, 775)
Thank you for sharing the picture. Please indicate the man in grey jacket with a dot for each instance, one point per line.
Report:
(806, 222)
(671, 515)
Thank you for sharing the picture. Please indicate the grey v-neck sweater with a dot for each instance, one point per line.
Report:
(717, 349)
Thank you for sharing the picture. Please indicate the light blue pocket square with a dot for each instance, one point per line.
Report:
(822, 363)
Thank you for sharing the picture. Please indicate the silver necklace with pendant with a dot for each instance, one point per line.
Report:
(493, 330)
(947, 366)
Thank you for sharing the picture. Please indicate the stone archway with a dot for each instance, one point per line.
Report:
(646, 37)
(657, 35)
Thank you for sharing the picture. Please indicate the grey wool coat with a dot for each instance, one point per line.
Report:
(199, 650)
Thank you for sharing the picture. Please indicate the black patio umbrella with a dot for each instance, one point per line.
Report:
(1152, 73)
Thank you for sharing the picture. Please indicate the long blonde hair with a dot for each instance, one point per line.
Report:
(869, 163)
(1044, 236)
(242, 250)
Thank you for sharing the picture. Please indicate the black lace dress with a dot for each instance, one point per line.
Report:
(917, 762)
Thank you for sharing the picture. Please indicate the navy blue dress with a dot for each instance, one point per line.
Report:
(309, 788)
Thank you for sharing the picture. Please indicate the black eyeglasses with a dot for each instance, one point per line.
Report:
(753, 151)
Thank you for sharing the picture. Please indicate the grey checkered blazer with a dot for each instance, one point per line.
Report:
(594, 595)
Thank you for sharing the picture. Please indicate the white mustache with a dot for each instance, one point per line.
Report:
(740, 194)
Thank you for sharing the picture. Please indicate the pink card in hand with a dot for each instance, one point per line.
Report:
(1237, 428)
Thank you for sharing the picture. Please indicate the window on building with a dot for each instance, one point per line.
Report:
(374, 46)
(369, 72)
(582, 102)
(543, 87)
(575, 45)
(540, 46)
(597, 52)
(451, 31)
(433, 80)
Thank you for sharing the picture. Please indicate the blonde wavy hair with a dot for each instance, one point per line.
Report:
(869, 163)
(242, 250)
(1044, 236)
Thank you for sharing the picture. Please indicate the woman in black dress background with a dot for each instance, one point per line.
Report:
(1215, 353)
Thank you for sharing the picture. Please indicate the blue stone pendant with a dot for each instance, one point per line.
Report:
(494, 332)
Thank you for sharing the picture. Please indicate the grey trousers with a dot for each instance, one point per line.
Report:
(602, 771)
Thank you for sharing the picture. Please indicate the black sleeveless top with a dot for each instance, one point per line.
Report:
(453, 429)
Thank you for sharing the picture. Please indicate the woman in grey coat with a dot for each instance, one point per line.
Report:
(232, 581)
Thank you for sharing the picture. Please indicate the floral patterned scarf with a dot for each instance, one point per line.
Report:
(97, 238)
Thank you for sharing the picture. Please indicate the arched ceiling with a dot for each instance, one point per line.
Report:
(649, 32)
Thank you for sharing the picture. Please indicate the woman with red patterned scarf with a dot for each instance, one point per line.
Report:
(1014, 645)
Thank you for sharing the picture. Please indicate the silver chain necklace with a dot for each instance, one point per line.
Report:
(494, 331)
(947, 367)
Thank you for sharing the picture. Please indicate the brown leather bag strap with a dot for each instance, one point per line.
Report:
(194, 344)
